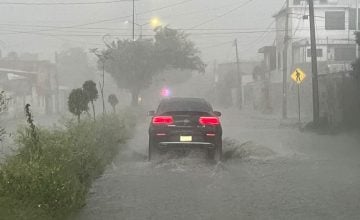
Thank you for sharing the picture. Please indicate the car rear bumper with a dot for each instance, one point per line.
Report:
(172, 145)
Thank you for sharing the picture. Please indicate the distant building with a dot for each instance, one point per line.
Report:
(269, 53)
(34, 82)
(335, 22)
(226, 77)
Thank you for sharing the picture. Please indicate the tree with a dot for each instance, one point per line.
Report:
(89, 87)
(113, 100)
(102, 58)
(133, 64)
(78, 102)
(175, 50)
(3, 107)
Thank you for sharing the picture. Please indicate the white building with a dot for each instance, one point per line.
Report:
(335, 22)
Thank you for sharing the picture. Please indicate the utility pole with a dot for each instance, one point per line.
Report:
(285, 63)
(239, 77)
(133, 21)
(315, 84)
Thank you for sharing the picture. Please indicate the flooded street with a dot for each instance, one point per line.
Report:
(270, 172)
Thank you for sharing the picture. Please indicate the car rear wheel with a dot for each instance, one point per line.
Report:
(216, 153)
(152, 152)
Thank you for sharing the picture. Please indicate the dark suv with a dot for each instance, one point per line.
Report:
(185, 123)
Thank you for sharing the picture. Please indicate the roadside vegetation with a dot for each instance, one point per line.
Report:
(50, 174)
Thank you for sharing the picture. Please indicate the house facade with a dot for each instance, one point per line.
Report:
(34, 82)
(335, 22)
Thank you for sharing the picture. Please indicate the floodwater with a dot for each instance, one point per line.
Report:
(269, 172)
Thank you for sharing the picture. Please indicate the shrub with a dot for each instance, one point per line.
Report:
(113, 100)
(78, 102)
(89, 87)
(55, 183)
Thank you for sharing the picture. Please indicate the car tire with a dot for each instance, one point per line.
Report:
(152, 151)
(216, 153)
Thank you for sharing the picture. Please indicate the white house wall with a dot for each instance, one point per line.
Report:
(299, 31)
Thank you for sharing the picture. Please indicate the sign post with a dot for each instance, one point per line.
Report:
(298, 76)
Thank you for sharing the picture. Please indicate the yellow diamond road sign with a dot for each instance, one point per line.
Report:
(298, 75)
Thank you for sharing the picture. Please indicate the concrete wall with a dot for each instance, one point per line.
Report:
(338, 93)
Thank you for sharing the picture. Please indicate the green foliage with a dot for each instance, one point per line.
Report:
(3, 102)
(134, 64)
(3, 108)
(2, 133)
(78, 102)
(89, 87)
(90, 90)
(113, 100)
(176, 51)
(56, 183)
(32, 135)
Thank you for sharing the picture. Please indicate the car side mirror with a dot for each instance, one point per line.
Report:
(151, 113)
(217, 113)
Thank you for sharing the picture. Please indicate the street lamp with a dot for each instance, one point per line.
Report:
(154, 23)
(140, 26)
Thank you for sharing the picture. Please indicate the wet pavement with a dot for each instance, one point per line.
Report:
(270, 172)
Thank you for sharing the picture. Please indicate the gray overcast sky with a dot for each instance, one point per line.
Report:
(34, 28)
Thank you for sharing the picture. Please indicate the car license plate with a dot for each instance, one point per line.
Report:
(185, 138)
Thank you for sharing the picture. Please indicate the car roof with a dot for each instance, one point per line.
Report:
(179, 99)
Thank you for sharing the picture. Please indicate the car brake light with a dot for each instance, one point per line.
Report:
(163, 120)
(209, 121)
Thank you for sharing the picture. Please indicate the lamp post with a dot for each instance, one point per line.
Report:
(154, 22)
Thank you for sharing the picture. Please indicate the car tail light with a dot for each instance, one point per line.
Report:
(209, 121)
(162, 120)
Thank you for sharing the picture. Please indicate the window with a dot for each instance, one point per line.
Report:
(335, 20)
(297, 2)
(345, 53)
(319, 52)
(352, 19)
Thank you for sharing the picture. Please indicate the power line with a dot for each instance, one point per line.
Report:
(197, 12)
(224, 14)
(218, 45)
(60, 3)
(94, 34)
(164, 7)
(105, 20)
(106, 28)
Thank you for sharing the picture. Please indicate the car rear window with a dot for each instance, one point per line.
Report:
(184, 105)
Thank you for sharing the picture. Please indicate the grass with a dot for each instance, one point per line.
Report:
(51, 173)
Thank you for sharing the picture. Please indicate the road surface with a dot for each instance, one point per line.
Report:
(277, 172)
